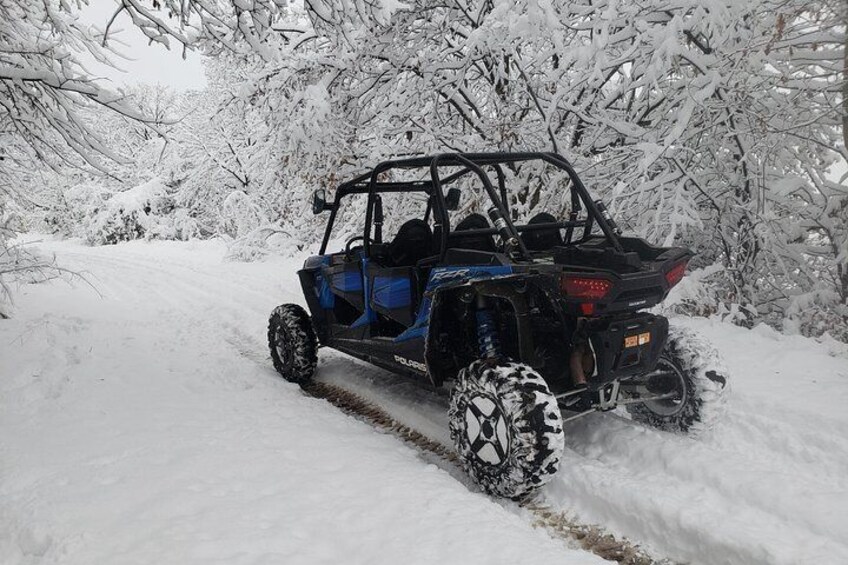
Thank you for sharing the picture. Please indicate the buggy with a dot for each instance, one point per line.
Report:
(530, 325)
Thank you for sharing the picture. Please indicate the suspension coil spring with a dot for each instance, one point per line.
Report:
(487, 334)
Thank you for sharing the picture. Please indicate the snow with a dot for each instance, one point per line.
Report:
(768, 486)
(136, 198)
(147, 426)
(143, 211)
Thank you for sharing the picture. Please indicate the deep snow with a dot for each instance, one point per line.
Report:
(147, 426)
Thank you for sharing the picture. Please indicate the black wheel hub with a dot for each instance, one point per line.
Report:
(662, 382)
(487, 431)
(668, 381)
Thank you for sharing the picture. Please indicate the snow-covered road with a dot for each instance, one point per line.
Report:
(145, 426)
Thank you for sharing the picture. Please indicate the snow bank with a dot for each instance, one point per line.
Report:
(145, 211)
(266, 241)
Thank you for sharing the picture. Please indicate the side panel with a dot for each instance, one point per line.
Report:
(392, 293)
(326, 298)
(406, 357)
(448, 276)
(345, 281)
(317, 293)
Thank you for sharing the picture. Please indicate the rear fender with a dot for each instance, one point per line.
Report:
(513, 288)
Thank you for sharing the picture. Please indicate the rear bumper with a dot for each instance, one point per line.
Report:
(626, 346)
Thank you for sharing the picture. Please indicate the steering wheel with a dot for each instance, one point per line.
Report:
(349, 248)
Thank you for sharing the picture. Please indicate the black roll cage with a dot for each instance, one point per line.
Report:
(368, 183)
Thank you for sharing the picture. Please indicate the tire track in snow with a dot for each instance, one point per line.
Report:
(688, 497)
(558, 524)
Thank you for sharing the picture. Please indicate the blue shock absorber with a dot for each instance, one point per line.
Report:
(487, 334)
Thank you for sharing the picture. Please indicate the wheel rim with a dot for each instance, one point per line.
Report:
(486, 430)
(282, 344)
(674, 404)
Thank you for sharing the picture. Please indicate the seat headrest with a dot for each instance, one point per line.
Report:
(478, 242)
(413, 242)
(542, 240)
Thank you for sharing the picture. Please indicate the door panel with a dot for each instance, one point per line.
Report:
(393, 293)
(346, 284)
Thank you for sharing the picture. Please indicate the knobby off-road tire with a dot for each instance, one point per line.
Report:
(293, 344)
(506, 427)
(700, 381)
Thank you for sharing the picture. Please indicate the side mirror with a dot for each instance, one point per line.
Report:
(319, 201)
(452, 199)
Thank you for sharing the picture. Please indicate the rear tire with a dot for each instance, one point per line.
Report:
(506, 426)
(694, 371)
(292, 342)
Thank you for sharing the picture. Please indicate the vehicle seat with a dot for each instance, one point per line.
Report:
(477, 242)
(413, 242)
(542, 240)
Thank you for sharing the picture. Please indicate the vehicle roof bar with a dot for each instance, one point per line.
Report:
(472, 162)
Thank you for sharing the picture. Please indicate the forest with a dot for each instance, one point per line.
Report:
(718, 125)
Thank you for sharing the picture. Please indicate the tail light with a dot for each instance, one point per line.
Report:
(585, 288)
(675, 274)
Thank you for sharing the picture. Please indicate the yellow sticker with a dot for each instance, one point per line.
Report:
(631, 341)
(644, 338)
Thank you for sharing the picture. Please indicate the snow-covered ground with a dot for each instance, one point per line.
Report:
(137, 427)
(142, 423)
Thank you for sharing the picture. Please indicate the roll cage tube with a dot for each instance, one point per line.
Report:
(579, 188)
(330, 221)
(356, 186)
(477, 161)
(351, 187)
(490, 190)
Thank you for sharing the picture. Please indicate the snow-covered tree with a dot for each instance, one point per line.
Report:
(710, 124)
(44, 87)
(45, 92)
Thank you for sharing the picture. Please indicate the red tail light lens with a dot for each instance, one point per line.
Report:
(587, 308)
(675, 274)
(585, 288)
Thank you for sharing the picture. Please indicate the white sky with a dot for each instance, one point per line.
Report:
(150, 63)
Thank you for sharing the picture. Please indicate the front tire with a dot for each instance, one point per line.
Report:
(506, 426)
(691, 371)
(293, 344)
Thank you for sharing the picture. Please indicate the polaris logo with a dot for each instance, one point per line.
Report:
(638, 303)
(456, 274)
(411, 364)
